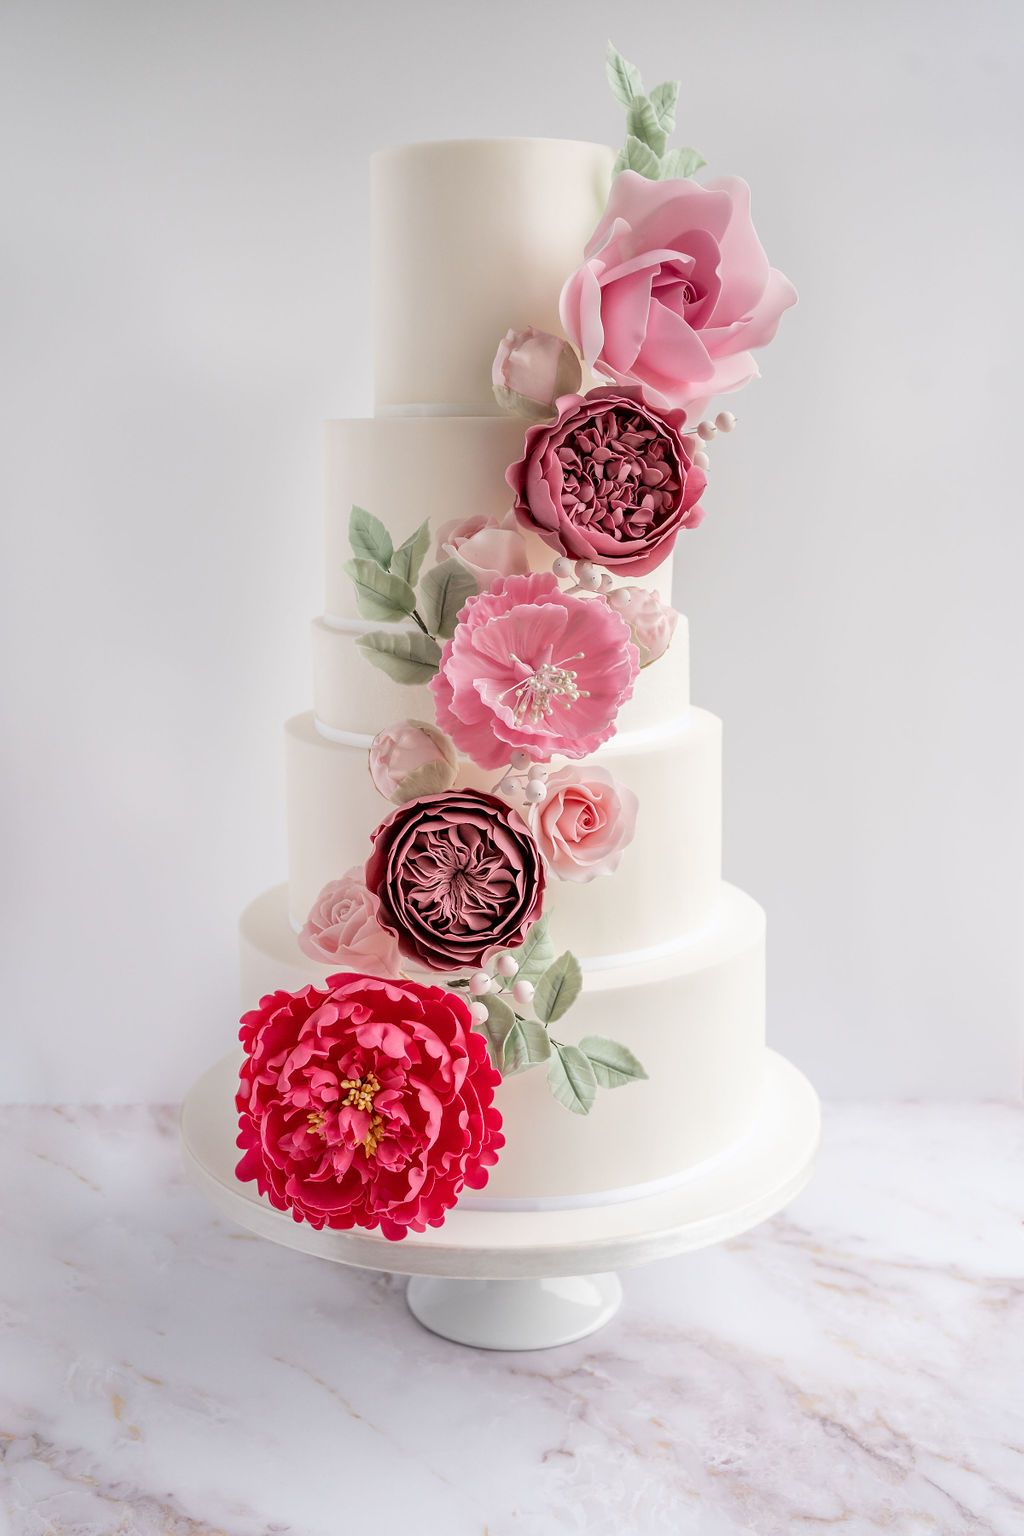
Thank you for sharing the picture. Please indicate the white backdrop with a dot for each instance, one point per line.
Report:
(184, 280)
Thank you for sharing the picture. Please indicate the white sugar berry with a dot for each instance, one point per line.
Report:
(535, 791)
(480, 984)
(508, 785)
(479, 1012)
(701, 459)
(537, 771)
(621, 598)
(591, 580)
(562, 567)
(725, 421)
(520, 760)
(583, 569)
(706, 430)
(523, 993)
(607, 581)
(507, 965)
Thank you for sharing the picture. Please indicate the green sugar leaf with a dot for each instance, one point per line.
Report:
(623, 77)
(444, 591)
(535, 953)
(369, 538)
(408, 558)
(571, 1079)
(680, 163)
(613, 1064)
(640, 157)
(663, 100)
(500, 1021)
(642, 122)
(380, 595)
(526, 1044)
(558, 988)
(407, 657)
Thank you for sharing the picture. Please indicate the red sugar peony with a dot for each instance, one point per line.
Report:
(368, 1103)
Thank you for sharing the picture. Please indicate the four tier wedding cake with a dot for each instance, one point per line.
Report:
(506, 968)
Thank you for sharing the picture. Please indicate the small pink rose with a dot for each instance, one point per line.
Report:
(411, 759)
(531, 369)
(652, 623)
(583, 823)
(488, 547)
(343, 929)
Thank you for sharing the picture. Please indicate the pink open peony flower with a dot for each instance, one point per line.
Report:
(366, 1104)
(488, 547)
(584, 822)
(675, 290)
(410, 759)
(534, 668)
(343, 929)
(456, 874)
(652, 623)
(610, 480)
(531, 369)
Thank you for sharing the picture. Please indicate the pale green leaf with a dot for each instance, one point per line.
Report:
(380, 595)
(558, 988)
(571, 1079)
(663, 100)
(623, 77)
(621, 163)
(535, 953)
(407, 657)
(496, 1028)
(641, 158)
(408, 558)
(369, 538)
(444, 591)
(642, 122)
(680, 163)
(526, 1044)
(613, 1064)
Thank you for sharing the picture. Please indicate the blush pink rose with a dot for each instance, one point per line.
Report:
(410, 759)
(531, 369)
(675, 290)
(652, 623)
(611, 480)
(584, 822)
(343, 928)
(367, 1103)
(488, 547)
(534, 668)
(455, 875)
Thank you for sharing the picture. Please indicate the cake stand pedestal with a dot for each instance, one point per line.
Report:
(512, 1279)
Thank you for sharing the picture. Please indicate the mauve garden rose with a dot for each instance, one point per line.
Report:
(611, 479)
(583, 823)
(456, 874)
(531, 369)
(367, 1103)
(652, 623)
(488, 547)
(410, 759)
(343, 929)
(534, 669)
(674, 290)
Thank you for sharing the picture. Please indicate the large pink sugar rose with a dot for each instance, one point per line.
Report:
(534, 668)
(583, 823)
(489, 547)
(343, 929)
(368, 1103)
(610, 480)
(675, 290)
(456, 874)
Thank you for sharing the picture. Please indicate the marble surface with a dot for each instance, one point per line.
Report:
(853, 1366)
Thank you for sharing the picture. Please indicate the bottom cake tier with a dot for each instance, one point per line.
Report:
(692, 1012)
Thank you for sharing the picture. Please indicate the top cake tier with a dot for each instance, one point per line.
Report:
(469, 238)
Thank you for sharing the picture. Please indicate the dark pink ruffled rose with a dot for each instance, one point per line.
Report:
(611, 480)
(532, 668)
(367, 1103)
(455, 874)
(674, 290)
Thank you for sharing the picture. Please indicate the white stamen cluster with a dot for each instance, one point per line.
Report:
(535, 696)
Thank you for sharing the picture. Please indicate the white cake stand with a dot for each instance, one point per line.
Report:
(529, 1280)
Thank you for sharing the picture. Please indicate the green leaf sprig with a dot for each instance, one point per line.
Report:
(516, 1042)
(385, 581)
(650, 119)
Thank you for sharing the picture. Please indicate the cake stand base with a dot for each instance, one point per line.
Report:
(514, 1314)
(513, 1279)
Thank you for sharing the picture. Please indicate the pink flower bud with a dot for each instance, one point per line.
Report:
(412, 759)
(651, 622)
(531, 370)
